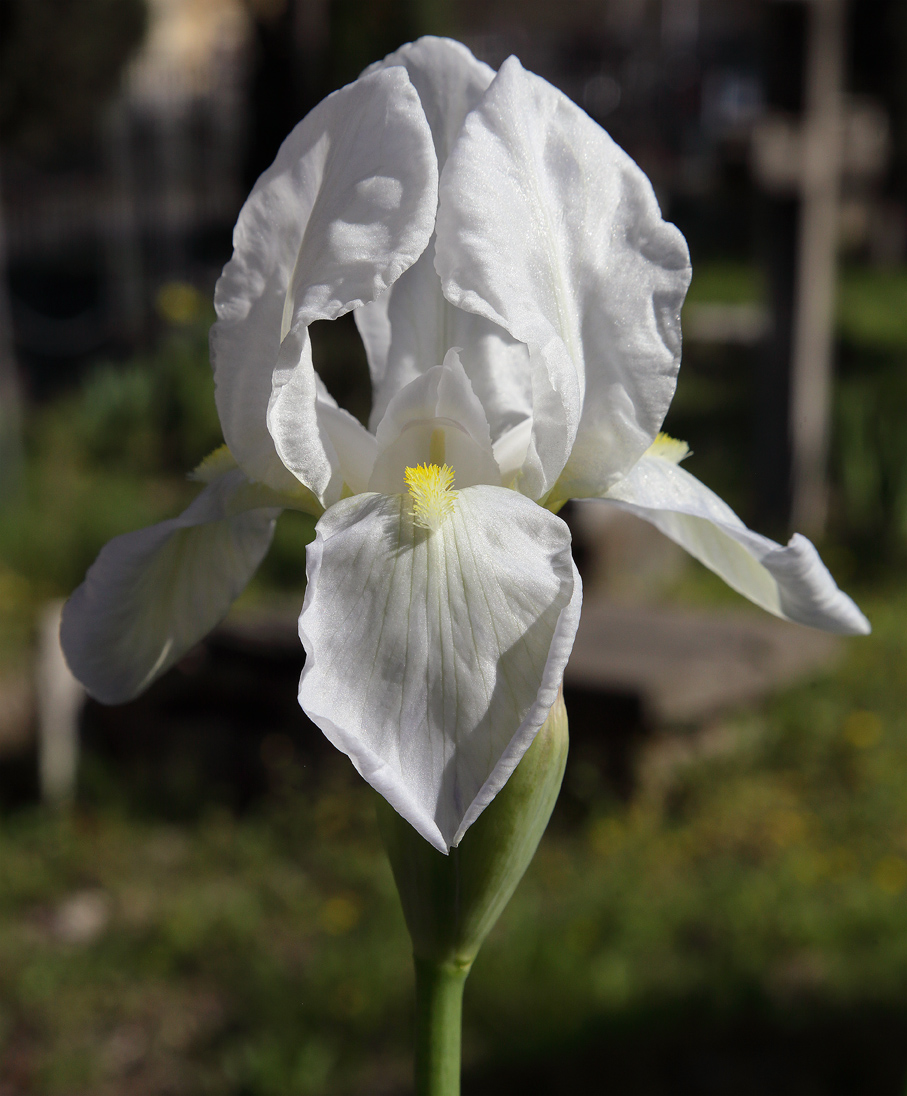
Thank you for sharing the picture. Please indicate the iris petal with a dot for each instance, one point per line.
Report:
(550, 230)
(791, 582)
(450, 646)
(410, 328)
(153, 594)
(346, 207)
(436, 418)
(323, 446)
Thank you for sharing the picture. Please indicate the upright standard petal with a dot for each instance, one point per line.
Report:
(325, 447)
(436, 419)
(450, 82)
(791, 582)
(450, 646)
(411, 327)
(547, 228)
(153, 594)
(347, 206)
(421, 326)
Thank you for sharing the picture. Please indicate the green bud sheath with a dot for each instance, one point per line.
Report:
(452, 902)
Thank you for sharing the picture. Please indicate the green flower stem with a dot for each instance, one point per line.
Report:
(439, 1012)
(451, 902)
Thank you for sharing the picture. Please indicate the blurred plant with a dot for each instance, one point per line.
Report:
(108, 454)
(870, 444)
(153, 415)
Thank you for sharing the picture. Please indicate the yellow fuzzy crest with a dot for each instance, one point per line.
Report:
(214, 465)
(432, 491)
(668, 448)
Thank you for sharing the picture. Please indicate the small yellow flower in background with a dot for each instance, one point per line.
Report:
(179, 303)
(863, 729)
(340, 914)
(890, 874)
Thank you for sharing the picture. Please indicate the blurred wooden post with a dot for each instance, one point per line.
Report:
(59, 701)
(816, 265)
(798, 154)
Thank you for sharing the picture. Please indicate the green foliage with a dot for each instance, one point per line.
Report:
(216, 958)
(713, 407)
(869, 443)
(869, 455)
(284, 566)
(109, 457)
(152, 415)
(872, 309)
(725, 282)
(52, 533)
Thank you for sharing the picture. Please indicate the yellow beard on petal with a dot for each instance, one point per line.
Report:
(668, 448)
(431, 487)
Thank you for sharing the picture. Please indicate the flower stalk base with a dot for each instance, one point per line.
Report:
(439, 1011)
(452, 902)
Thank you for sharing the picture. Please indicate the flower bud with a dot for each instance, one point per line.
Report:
(452, 902)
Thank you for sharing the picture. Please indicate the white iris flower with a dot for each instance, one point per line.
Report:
(518, 295)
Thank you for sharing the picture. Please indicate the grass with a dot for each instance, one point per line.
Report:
(210, 959)
(763, 878)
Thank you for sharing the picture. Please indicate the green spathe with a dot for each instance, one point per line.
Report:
(451, 902)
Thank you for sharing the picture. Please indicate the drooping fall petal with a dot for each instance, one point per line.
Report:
(153, 594)
(433, 657)
(791, 582)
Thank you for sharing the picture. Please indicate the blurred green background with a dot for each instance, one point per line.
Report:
(733, 921)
